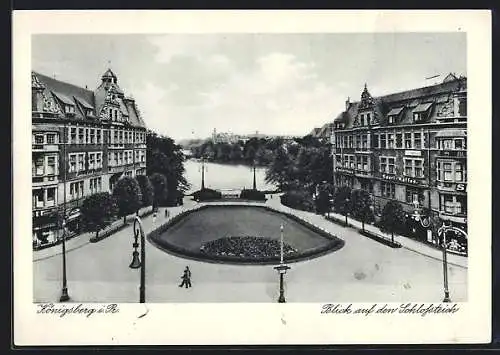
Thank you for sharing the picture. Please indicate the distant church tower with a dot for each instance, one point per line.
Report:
(214, 136)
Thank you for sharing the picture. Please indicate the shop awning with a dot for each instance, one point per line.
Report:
(451, 133)
(423, 107)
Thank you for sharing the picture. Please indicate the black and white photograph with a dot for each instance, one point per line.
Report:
(327, 168)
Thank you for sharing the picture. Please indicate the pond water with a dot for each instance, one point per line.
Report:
(224, 176)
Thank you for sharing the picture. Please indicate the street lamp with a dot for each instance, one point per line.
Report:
(345, 210)
(281, 268)
(64, 292)
(442, 231)
(140, 262)
(254, 180)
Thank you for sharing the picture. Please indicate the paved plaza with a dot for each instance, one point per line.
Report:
(362, 271)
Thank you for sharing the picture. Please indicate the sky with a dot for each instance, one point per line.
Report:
(187, 85)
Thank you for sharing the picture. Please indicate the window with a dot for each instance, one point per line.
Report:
(462, 107)
(87, 136)
(459, 176)
(414, 168)
(39, 166)
(390, 140)
(383, 164)
(390, 164)
(81, 136)
(39, 139)
(115, 141)
(91, 160)
(408, 140)
(413, 195)
(459, 144)
(364, 142)
(358, 162)
(350, 142)
(98, 136)
(69, 109)
(81, 161)
(388, 189)
(72, 163)
(51, 195)
(453, 204)
(448, 172)
(367, 186)
(120, 135)
(399, 140)
(362, 119)
(51, 138)
(391, 119)
(352, 164)
(357, 142)
(38, 200)
(387, 165)
(92, 136)
(120, 158)
(126, 137)
(368, 116)
(72, 135)
(137, 156)
(365, 162)
(383, 141)
(346, 161)
(76, 189)
(375, 141)
(98, 160)
(51, 166)
(417, 140)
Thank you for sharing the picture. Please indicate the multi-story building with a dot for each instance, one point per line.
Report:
(411, 147)
(83, 141)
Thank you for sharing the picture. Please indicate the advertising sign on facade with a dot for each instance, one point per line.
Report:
(413, 153)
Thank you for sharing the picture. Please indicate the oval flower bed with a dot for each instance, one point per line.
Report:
(246, 247)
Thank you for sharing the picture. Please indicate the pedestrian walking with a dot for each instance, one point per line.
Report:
(186, 278)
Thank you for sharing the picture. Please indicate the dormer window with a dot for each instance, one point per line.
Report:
(393, 115)
(421, 112)
(69, 109)
(88, 112)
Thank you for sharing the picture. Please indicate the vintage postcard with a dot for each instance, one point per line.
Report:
(252, 177)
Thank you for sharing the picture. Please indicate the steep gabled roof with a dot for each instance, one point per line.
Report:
(66, 89)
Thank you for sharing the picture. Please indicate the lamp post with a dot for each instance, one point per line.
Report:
(254, 179)
(442, 231)
(203, 173)
(64, 292)
(345, 210)
(140, 262)
(281, 268)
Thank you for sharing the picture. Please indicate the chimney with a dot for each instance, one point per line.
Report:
(348, 103)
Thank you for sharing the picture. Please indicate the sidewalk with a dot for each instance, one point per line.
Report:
(83, 239)
(407, 243)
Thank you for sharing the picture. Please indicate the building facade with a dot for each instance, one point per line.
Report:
(83, 141)
(410, 147)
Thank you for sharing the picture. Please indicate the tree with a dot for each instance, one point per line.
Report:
(166, 157)
(361, 206)
(98, 211)
(160, 189)
(127, 194)
(393, 217)
(236, 153)
(341, 201)
(279, 171)
(147, 191)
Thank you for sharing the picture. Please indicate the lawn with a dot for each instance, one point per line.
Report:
(223, 221)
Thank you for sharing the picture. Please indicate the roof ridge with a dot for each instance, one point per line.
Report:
(62, 82)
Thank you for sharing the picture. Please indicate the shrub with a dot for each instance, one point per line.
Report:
(207, 194)
(255, 195)
(299, 200)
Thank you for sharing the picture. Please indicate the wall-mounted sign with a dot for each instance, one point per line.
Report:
(405, 179)
(453, 153)
(413, 153)
(451, 186)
